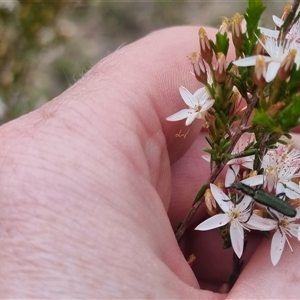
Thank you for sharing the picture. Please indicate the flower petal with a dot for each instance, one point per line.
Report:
(258, 223)
(277, 246)
(254, 180)
(293, 187)
(294, 229)
(189, 99)
(191, 118)
(279, 188)
(277, 21)
(222, 199)
(269, 32)
(272, 70)
(213, 222)
(237, 238)
(246, 62)
(231, 174)
(207, 105)
(180, 115)
(200, 93)
(248, 162)
(206, 157)
(291, 194)
(244, 204)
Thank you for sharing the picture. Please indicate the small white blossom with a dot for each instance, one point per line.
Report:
(281, 166)
(286, 228)
(199, 103)
(277, 52)
(238, 215)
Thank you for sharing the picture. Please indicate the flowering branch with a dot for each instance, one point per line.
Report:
(250, 106)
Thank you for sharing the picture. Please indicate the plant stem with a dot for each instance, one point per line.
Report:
(217, 169)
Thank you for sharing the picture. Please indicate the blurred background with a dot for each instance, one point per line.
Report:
(46, 46)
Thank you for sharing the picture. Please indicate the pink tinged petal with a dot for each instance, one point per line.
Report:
(189, 99)
(258, 223)
(272, 70)
(222, 199)
(254, 180)
(270, 182)
(237, 238)
(191, 118)
(213, 222)
(180, 115)
(231, 174)
(246, 62)
(277, 246)
(244, 26)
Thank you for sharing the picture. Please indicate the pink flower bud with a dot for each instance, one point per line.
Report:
(205, 48)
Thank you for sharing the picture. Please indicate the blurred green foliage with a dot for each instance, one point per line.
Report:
(47, 45)
(26, 29)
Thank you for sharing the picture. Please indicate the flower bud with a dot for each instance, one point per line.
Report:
(220, 69)
(236, 99)
(224, 26)
(199, 67)
(238, 28)
(210, 202)
(205, 48)
(260, 71)
(286, 66)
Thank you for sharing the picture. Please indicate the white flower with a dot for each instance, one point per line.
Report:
(199, 103)
(286, 228)
(238, 215)
(277, 52)
(281, 166)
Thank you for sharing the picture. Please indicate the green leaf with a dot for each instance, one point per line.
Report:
(222, 43)
(246, 153)
(289, 117)
(293, 83)
(252, 16)
(262, 118)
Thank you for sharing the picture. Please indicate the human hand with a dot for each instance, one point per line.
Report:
(87, 196)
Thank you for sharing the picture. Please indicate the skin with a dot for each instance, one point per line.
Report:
(92, 183)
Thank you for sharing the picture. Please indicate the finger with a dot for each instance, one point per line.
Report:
(262, 280)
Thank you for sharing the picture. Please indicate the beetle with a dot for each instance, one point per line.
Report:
(269, 200)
